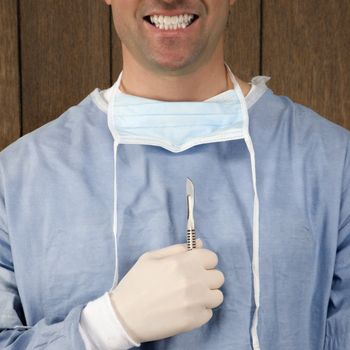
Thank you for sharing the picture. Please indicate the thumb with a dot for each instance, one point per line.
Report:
(174, 249)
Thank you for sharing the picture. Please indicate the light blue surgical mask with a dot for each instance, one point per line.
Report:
(177, 126)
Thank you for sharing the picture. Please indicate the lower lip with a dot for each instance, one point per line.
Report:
(172, 32)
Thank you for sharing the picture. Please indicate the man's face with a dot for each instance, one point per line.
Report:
(175, 50)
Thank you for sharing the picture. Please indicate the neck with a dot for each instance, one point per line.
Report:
(208, 80)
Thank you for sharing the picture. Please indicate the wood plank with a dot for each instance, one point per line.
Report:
(65, 55)
(306, 51)
(10, 110)
(242, 41)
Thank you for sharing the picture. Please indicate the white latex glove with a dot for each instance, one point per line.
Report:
(168, 291)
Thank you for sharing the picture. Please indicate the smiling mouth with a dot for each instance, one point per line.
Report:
(171, 22)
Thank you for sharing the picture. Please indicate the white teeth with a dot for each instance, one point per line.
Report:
(172, 22)
(167, 20)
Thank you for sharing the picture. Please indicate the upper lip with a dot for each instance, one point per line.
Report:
(171, 13)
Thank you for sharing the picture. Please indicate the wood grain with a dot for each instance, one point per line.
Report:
(65, 55)
(306, 51)
(10, 114)
(242, 40)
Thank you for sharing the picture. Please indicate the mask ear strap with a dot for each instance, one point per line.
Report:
(229, 75)
(122, 87)
(236, 86)
(228, 87)
(119, 83)
(256, 212)
(110, 115)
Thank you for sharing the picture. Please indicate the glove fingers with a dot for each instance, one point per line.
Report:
(214, 299)
(215, 279)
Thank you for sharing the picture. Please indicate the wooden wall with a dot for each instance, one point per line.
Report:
(53, 53)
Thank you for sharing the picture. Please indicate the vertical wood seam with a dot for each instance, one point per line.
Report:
(261, 66)
(110, 48)
(19, 60)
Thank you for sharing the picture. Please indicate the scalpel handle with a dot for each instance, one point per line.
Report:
(191, 238)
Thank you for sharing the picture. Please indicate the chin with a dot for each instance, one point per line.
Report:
(172, 64)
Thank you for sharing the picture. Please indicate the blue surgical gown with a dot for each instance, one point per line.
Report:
(57, 249)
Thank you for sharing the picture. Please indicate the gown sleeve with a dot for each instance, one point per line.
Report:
(89, 327)
(338, 314)
(15, 334)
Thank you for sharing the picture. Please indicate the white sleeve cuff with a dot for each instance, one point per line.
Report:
(100, 327)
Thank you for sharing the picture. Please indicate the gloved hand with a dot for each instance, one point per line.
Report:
(168, 291)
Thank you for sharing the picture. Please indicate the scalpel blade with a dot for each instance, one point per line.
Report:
(191, 233)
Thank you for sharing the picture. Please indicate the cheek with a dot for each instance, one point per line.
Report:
(121, 24)
(218, 22)
(123, 15)
(126, 29)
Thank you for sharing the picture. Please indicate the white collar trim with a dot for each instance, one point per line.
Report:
(258, 83)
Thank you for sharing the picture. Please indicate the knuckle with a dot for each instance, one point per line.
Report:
(188, 313)
(191, 291)
(222, 276)
(210, 314)
(177, 269)
(186, 305)
(220, 296)
(215, 258)
(192, 294)
(209, 254)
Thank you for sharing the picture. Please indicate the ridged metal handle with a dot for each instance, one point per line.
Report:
(191, 239)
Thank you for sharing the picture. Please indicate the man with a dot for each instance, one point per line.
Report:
(93, 218)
